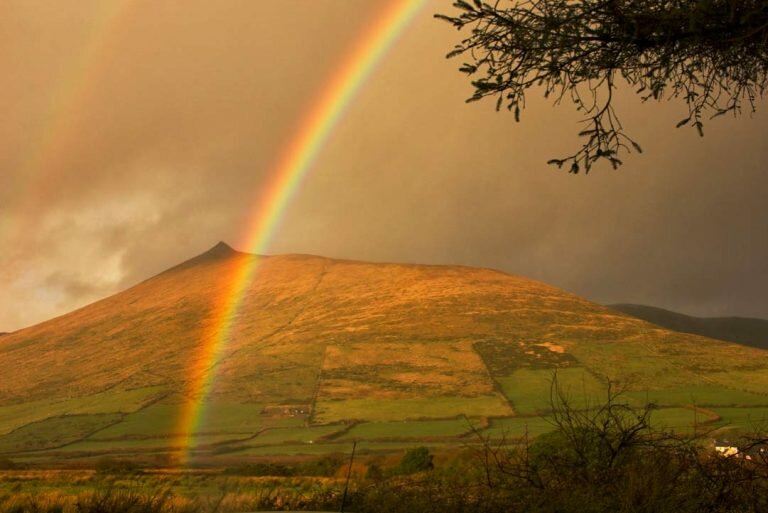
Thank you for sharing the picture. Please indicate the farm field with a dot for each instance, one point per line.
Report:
(372, 436)
(743, 419)
(409, 409)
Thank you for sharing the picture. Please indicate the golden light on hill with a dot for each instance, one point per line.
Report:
(323, 346)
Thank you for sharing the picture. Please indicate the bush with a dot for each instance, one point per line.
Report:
(374, 472)
(327, 466)
(415, 460)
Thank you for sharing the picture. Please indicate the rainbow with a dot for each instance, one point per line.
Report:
(68, 101)
(293, 165)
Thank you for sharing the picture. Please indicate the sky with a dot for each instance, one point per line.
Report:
(136, 134)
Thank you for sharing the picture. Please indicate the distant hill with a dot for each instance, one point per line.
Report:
(742, 330)
(324, 351)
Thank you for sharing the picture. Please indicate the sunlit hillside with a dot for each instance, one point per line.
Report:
(326, 351)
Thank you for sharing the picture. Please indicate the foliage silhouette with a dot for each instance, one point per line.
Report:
(711, 53)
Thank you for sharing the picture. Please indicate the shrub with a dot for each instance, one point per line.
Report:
(374, 472)
(415, 460)
(327, 466)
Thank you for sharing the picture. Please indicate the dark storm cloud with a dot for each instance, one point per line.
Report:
(192, 102)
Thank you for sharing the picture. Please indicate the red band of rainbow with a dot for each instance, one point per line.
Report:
(292, 167)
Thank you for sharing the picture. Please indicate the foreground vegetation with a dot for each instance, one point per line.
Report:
(602, 457)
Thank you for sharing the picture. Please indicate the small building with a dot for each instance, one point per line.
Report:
(753, 451)
(726, 447)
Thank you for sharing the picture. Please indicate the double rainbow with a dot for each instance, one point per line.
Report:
(296, 160)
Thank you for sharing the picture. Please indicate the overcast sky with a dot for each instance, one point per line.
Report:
(136, 134)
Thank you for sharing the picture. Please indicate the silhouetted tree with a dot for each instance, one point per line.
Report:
(711, 53)
(608, 456)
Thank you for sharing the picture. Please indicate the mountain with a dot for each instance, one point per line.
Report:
(742, 330)
(323, 351)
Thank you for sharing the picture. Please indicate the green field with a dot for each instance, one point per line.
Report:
(243, 430)
(530, 391)
(681, 420)
(94, 445)
(162, 420)
(55, 432)
(516, 428)
(410, 429)
(409, 409)
(294, 434)
(743, 419)
(117, 401)
(754, 380)
(700, 395)
(233, 429)
(328, 448)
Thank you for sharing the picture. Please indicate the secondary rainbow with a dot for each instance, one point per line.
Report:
(61, 133)
(294, 163)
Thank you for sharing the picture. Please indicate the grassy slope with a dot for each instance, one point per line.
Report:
(322, 341)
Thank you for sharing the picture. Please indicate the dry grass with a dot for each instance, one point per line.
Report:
(403, 370)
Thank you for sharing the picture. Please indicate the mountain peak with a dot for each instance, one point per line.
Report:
(220, 249)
